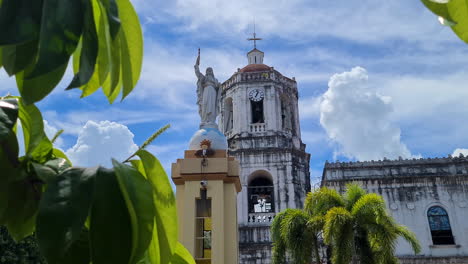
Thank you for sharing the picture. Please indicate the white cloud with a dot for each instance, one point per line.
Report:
(309, 107)
(356, 117)
(363, 21)
(459, 151)
(98, 142)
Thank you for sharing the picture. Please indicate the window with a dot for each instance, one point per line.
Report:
(439, 224)
(257, 112)
(203, 229)
(260, 192)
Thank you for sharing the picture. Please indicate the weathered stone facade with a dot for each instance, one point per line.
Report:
(260, 117)
(410, 188)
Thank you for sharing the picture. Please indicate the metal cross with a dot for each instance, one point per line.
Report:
(254, 38)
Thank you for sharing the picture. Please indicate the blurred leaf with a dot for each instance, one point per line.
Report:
(61, 28)
(9, 162)
(138, 196)
(59, 154)
(182, 256)
(36, 143)
(112, 86)
(58, 164)
(458, 10)
(23, 202)
(35, 89)
(19, 21)
(131, 40)
(17, 58)
(8, 116)
(110, 235)
(43, 172)
(63, 211)
(161, 251)
(438, 9)
(89, 49)
(79, 251)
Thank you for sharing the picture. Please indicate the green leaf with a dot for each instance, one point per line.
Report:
(58, 164)
(438, 9)
(112, 14)
(8, 116)
(89, 49)
(138, 196)
(102, 67)
(37, 145)
(59, 154)
(9, 162)
(131, 40)
(162, 249)
(63, 211)
(110, 235)
(182, 256)
(35, 89)
(458, 10)
(112, 86)
(43, 172)
(23, 202)
(61, 28)
(17, 58)
(19, 21)
(79, 251)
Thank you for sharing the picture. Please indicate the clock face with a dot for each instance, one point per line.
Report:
(256, 95)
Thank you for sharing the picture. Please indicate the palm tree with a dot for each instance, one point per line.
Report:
(355, 225)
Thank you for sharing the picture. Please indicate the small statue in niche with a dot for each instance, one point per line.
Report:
(205, 150)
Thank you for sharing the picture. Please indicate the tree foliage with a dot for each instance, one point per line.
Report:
(355, 225)
(452, 13)
(124, 214)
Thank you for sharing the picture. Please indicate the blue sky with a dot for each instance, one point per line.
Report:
(407, 98)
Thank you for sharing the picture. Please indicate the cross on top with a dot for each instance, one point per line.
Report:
(254, 38)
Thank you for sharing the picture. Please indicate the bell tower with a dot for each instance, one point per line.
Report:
(260, 118)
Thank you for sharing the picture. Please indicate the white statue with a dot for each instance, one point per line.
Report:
(207, 96)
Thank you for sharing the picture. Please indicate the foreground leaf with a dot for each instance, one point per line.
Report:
(138, 196)
(161, 250)
(110, 235)
(182, 256)
(63, 211)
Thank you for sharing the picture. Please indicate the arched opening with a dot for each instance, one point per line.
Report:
(439, 224)
(260, 194)
(257, 112)
(286, 118)
(228, 115)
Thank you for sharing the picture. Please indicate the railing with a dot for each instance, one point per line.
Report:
(258, 76)
(260, 218)
(255, 128)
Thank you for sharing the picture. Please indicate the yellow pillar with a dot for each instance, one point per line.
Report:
(221, 174)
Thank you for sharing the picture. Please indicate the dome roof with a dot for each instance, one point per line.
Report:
(217, 140)
(255, 68)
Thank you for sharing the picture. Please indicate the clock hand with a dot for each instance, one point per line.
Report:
(256, 94)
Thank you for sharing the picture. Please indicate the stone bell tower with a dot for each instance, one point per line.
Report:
(260, 118)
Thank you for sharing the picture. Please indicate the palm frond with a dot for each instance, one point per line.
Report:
(297, 236)
(149, 140)
(320, 201)
(338, 232)
(410, 237)
(279, 247)
(353, 193)
(57, 134)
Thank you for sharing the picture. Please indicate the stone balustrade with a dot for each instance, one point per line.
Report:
(271, 75)
(256, 128)
(260, 218)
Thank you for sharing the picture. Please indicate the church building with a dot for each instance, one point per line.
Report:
(429, 196)
(260, 118)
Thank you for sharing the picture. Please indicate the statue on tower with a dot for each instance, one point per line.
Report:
(207, 95)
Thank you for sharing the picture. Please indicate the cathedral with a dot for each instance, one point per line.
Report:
(260, 118)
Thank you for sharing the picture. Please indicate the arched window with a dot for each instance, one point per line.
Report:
(260, 192)
(439, 224)
(257, 112)
(228, 115)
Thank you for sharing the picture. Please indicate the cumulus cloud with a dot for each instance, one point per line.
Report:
(356, 117)
(459, 151)
(98, 142)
